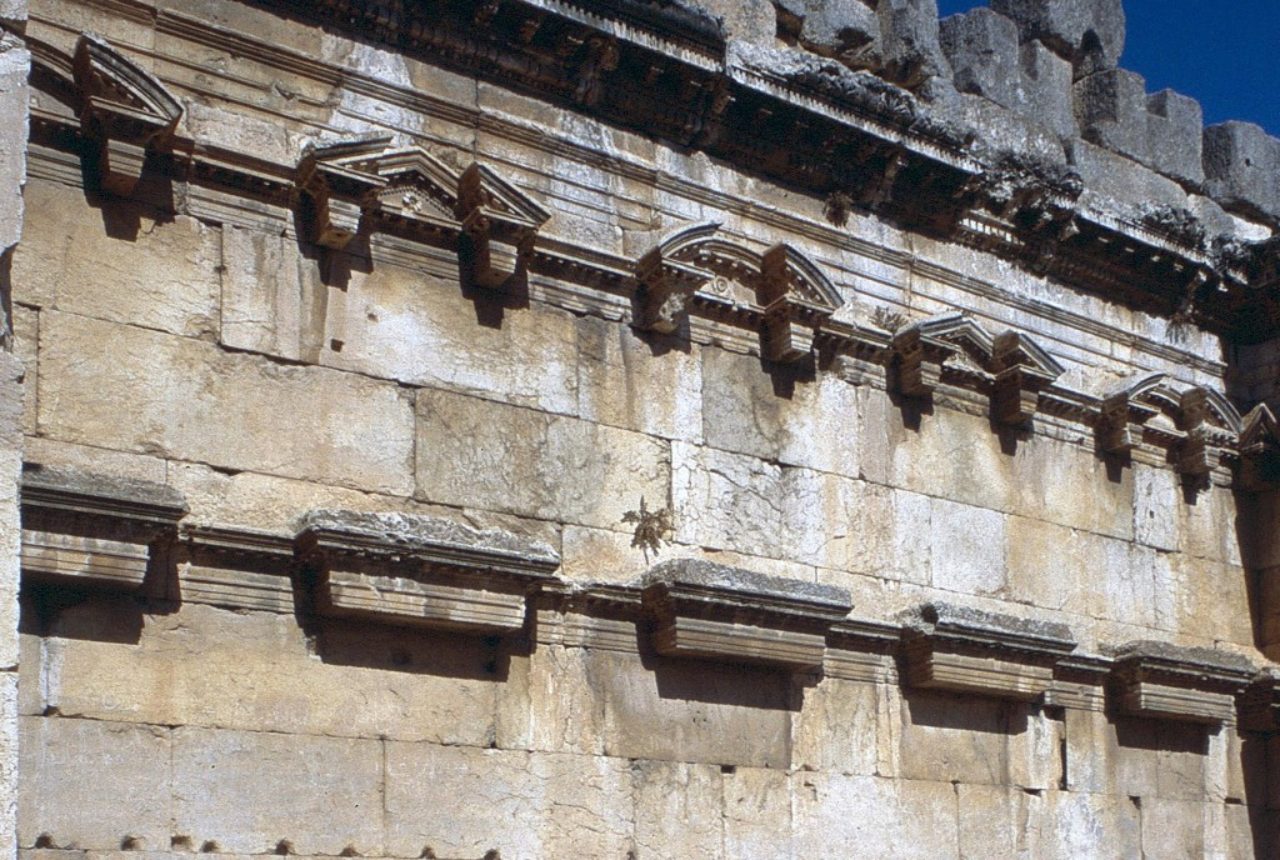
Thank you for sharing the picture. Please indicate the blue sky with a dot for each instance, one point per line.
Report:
(1224, 53)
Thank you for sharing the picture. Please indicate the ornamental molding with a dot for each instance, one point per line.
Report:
(1162, 681)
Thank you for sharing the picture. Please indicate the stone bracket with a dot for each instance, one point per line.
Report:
(666, 286)
(798, 298)
(987, 654)
(1200, 453)
(918, 361)
(1197, 685)
(1022, 371)
(710, 611)
(421, 571)
(1120, 421)
(341, 180)
(124, 111)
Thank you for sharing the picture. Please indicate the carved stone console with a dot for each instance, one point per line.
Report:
(80, 529)
(420, 571)
(240, 568)
(970, 651)
(1197, 685)
(701, 609)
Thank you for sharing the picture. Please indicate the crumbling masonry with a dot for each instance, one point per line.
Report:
(630, 429)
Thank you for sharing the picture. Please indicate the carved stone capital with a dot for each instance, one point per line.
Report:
(716, 612)
(1198, 685)
(1120, 421)
(989, 654)
(421, 571)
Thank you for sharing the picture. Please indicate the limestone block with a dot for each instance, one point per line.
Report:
(909, 50)
(1211, 601)
(479, 454)
(100, 461)
(14, 13)
(899, 818)
(1211, 527)
(258, 671)
(998, 822)
(396, 324)
(1047, 567)
(810, 424)
(1241, 162)
(1172, 828)
(942, 458)
(982, 47)
(1052, 477)
(832, 28)
(1157, 501)
(156, 272)
(190, 401)
(837, 730)
(683, 710)
(127, 797)
(969, 549)
(1045, 92)
(1125, 181)
(15, 65)
(751, 21)
(678, 810)
(462, 802)
(631, 382)
(9, 707)
(549, 702)
(1083, 825)
(757, 814)
(965, 739)
(1162, 131)
(26, 342)
(249, 791)
(267, 294)
(1088, 32)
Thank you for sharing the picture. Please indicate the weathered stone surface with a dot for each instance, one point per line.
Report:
(129, 795)
(969, 548)
(1162, 131)
(1240, 164)
(460, 802)
(154, 272)
(485, 455)
(244, 401)
(758, 813)
(840, 727)
(895, 818)
(982, 47)
(1090, 33)
(909, 50)
(834, 28)
(15, 65)
(678, 810)
(318, 795)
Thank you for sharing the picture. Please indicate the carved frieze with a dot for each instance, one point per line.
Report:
(82, 529)
(420, 571)
(969, 651)
(1198, 685)
(706, 610)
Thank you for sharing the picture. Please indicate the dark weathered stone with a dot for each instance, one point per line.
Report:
(982, 47)
(1242, 168)
(910, 52)
(834, 28)
(945, 619)
(1090, 33)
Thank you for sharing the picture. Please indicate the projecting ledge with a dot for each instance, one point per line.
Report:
(1198, 685)
(711, 611)
(421, 571)
(983, 653)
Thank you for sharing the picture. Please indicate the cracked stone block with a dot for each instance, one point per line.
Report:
(1175, 133)
(749, 20)
(1046, 88)
(833, 27)
(1242, 167)
(1090, 33)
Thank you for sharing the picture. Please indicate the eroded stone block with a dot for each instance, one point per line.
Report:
(1241, 162)
(1091, 33)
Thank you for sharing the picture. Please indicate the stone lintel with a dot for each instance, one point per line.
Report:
(423, 571)
(716, 612)
(971, 651)
(1200, 685)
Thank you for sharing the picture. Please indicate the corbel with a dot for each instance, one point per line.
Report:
(1259, 707)
(1198, 454)
(711, 611)
(984, 653)
(1120, 422)
(1021, 371)
(1080, 683)
(494, 213)
(797, 300)
(666, 286)
(918, 360)
(421, 571)
(125, 112)
(1195, 685)
(81, 529)
(341, 181)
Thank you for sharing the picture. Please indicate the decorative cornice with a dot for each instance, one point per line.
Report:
(711, 611)
(969, 651)
(50, 490)
(1199, 685)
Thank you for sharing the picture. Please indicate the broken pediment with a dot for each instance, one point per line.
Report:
(798, 298)
(667, 283)
(1195, 423)
(124, 110)
(421, 571)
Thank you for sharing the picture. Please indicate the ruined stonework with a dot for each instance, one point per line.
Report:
(630, 429)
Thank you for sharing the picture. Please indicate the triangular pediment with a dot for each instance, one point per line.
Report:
(419, 185)
(1259, 430)
(481, 190)
(971, 339)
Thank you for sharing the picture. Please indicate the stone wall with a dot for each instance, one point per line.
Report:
(439, 445)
